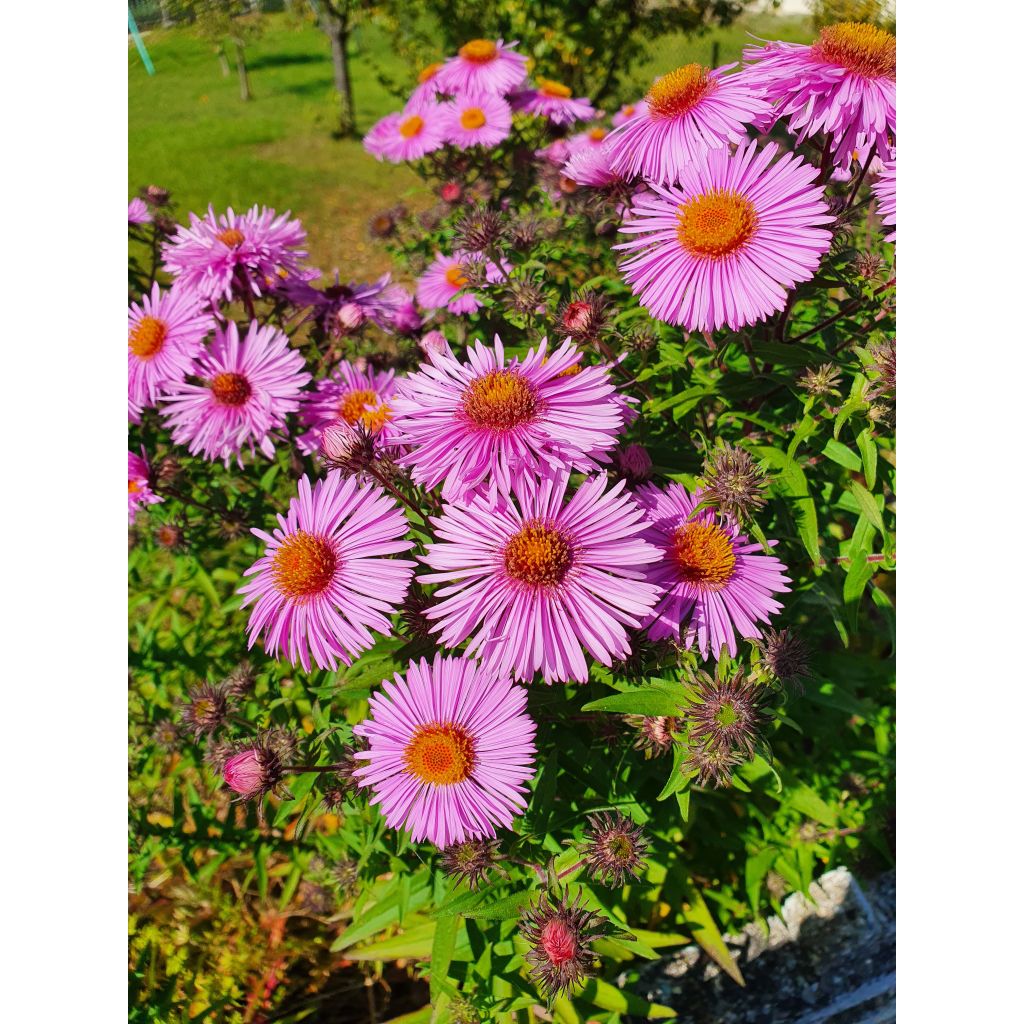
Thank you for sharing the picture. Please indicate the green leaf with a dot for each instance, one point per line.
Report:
(446, 931)
(754, 872)
(414, 944)
(807, 802)
(866, 502)
(650, 701)
(706, 933)
(838, 452)
(869, 456)
(857, 576)
(792, 481)
(608, 997)
(499, 910)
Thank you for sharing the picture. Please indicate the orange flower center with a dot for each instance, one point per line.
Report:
(679, 91)
(863, 49)
(429, 71)
(304, 565)
(596, 134)
(499, 400)
(230, 389)
(479, 51)
(455, 277)
(355, 406)
(538, 555)
(134, 487)
(472, 117)
(628, 111)
(231, 237)
(554, 89)
(411, 127)
(702, 552)
(147, 337)
(440, 754)
(716, 224)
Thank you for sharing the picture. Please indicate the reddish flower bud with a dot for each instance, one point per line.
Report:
(347, 448)
(351, 316)
(451, 192)
(634, 463)
(434, 342)
(253, 771)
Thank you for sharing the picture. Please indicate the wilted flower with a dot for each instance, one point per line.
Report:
(584, 318)
(240, 681)
(642, 339)
(206, 710)
(614, 847)
(170, 536)
(634, 463)
(820, 380)
(346, 448)
(283, 742)
(470, 860)
(346, 873)
(217, 753)
(884, 365)
(382, 224)
(727, 715)
(733, 481)
(653, 733)
(314, 899)
(523, 232)
(478, 230)
(525, 296)
(785, 655)
(713, 765)
(166, 734)
(561, 932)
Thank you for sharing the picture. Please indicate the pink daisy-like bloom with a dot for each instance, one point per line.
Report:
(357, 396)
(483, 66)
(443, 284)
(593, 139)
(689, 111)
(326, 578)
(413, 133)
(726, 244)
(628, 112)
(536, 580)
(843, 85)
(591, 167)
(342, 308)
(138, 212)
(165, 334)
(450, 750)
(426, 88)
(555, 102)
(884, 190)
(481, 425)
(139, 491)
(714, 581)
(475, 119)
(556, 153)
(248, 388)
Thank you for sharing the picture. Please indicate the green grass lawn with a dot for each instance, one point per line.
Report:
(190, 132)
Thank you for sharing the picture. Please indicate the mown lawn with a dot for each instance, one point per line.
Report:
(190, 132)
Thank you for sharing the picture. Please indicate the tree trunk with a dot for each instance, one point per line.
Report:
(243, 71)
(165, 15)
(337, 29)
(225, 67)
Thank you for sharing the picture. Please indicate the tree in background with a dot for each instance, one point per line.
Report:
(337, 18)
(874, 12)
(223, 23)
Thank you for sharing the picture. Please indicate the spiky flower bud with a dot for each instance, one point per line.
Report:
(166, 734)
(416, 624)
(884, 355)
(525, 296)
(653, 733)
(241, 680)
(475, 272)
(206, 710)
(167, 471)
(820, 380)
(155, 195)
(868, 265)
(727, 715)
(254, 770)
(560, 933)
(470, 860)
(382, 224)
(785, 655)
(232, 525)
(315, 899)
(584, 318)
(348, 449)
(451, 191)
(634, 464)
(429, 219)
(217, 753)
(733, 481)
(615, 846)
(713, 765)
(170, 536)
(283, 742)
(642, 339)
(478, 230)
(523, 232)
(346, 874)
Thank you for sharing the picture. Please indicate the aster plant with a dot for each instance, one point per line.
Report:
(531, 605)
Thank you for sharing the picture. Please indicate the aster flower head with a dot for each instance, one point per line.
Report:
(480, 425)
(217, 255)
(443, 285)
(154, 195)
(555, 102)
(592, 140)
(475, 119)
(471, 860)
(714, 582)
(535, 580)
(614, 847)
(426, 84)
(138, 212)
(356, 397)
(726, 715)
(628, 112)
(842, 85)
(634, 463)
(139, 491)
(654, 733)
(248, 387)
(165, 334)
(483, 66)
(408, 135)
(688, 112)
(206, 710)
(591, 167)
(712, 766)
(339, 309)
(726, 244)
(785, 654)
(884, 190)
(733, 481)
(560, 932)
(450, 750)
(325, 578)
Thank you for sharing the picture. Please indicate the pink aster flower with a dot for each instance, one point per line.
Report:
(726, 244)
(325, 578)
(555, 102)
(591, 167)
(714, 581)
(165, 334)
(450, 750)
(413, 133)
(842, 85)
(340, 308)
(357, 396)
(536, 580)
(479, 425)
(216, 256)
(556, 153)
(483, 66)
(592, 139)
(884, 190)
(426, 88)
(689, 111)
(628, 112)
(139, 491)
(443, 284)
(475, 119)
(248, 388)
(138, 212)
(435, 343)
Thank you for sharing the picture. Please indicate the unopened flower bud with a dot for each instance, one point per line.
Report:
(254, 771)
(451, 191)
(615, 846)
(206, 710)
(560, 933)
(634, 464)
(733, 481)
(347, 448)
(434, 343)
(155, 195)
(350, 317)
